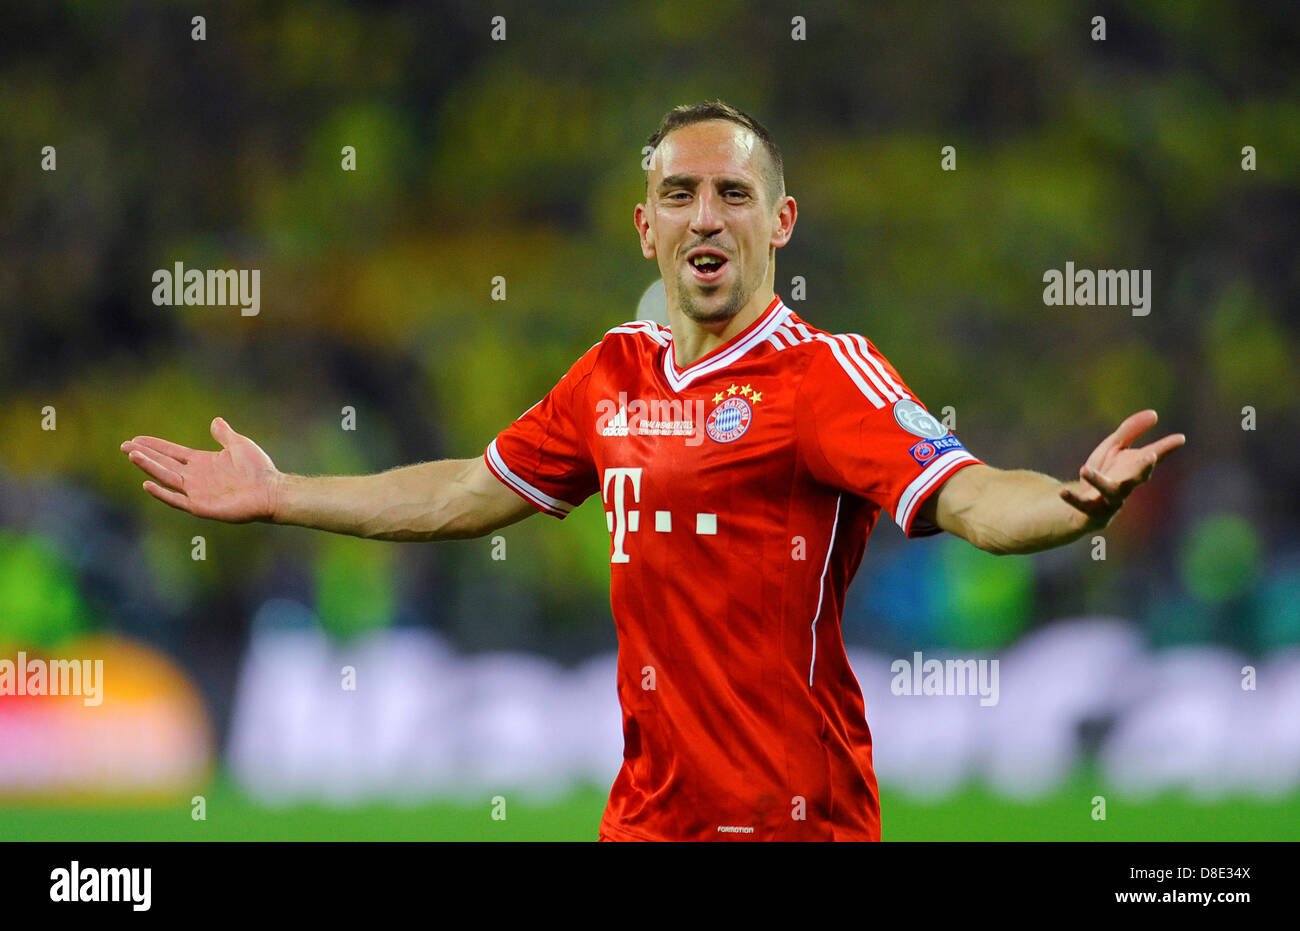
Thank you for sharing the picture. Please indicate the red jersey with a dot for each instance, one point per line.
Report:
(738, 493)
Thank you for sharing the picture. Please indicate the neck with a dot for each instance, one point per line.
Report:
(692, 340)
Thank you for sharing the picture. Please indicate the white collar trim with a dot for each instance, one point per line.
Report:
(776, 317)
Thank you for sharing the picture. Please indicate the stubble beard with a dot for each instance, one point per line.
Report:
(690, 306)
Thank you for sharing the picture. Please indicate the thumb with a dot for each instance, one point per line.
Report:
(222, 432)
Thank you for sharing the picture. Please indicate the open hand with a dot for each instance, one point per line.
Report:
(236, 484)
(1114, 469)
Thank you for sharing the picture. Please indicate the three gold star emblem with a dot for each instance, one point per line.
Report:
(746, 390)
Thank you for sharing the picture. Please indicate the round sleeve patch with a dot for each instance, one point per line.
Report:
(917, 421)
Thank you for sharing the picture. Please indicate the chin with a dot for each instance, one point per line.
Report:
(726, 304)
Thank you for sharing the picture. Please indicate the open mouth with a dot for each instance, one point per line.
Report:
(707, 266)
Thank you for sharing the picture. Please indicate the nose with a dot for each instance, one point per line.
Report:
(707, 219)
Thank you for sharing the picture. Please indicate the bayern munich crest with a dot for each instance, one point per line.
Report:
(729, 420)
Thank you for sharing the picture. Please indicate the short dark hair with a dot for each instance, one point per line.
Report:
(773, 173)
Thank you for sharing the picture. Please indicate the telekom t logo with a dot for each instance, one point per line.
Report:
(621, 520)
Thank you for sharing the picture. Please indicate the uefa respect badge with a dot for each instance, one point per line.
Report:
(926, 450)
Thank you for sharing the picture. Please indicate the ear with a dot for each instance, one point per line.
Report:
(783, 222)
(641, 217)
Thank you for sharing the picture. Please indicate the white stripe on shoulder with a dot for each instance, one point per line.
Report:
(785, 336)
(854, 355)
(874, 359)
(851, 369)
(851, 348)
(646, 327)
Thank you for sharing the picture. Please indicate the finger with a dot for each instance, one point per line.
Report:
(131, 446)
(1133, 426)
(176, 451)
(1083, 493)
(167, 496)
(222, 432)
(1109, 490)
(1093, 507)
(157, 470)
(1165, 445)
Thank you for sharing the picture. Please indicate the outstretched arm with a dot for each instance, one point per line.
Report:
(1018, 511)
(447, 500)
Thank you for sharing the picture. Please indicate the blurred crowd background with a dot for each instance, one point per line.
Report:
(520, 158)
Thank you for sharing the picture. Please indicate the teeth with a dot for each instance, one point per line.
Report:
(702, 260)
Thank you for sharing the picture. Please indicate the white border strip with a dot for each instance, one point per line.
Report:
(519, 486)
(678, 382)
(914, 492)
(649, 328)
(821, 588)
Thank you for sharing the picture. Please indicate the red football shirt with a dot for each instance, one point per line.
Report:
(739, 493)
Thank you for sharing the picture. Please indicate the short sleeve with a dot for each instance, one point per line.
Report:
(862, 430)
(544, 455)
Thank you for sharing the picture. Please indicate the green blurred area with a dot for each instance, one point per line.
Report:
(971, 814)
(42, 606)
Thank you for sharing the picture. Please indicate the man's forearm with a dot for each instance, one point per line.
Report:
(1019, 511)
(410, 503)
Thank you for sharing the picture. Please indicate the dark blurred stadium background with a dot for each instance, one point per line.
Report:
(480, 677)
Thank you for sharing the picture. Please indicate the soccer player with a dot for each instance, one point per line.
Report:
(743, 457)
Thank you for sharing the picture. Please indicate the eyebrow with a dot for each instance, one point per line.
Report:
(673, 181)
